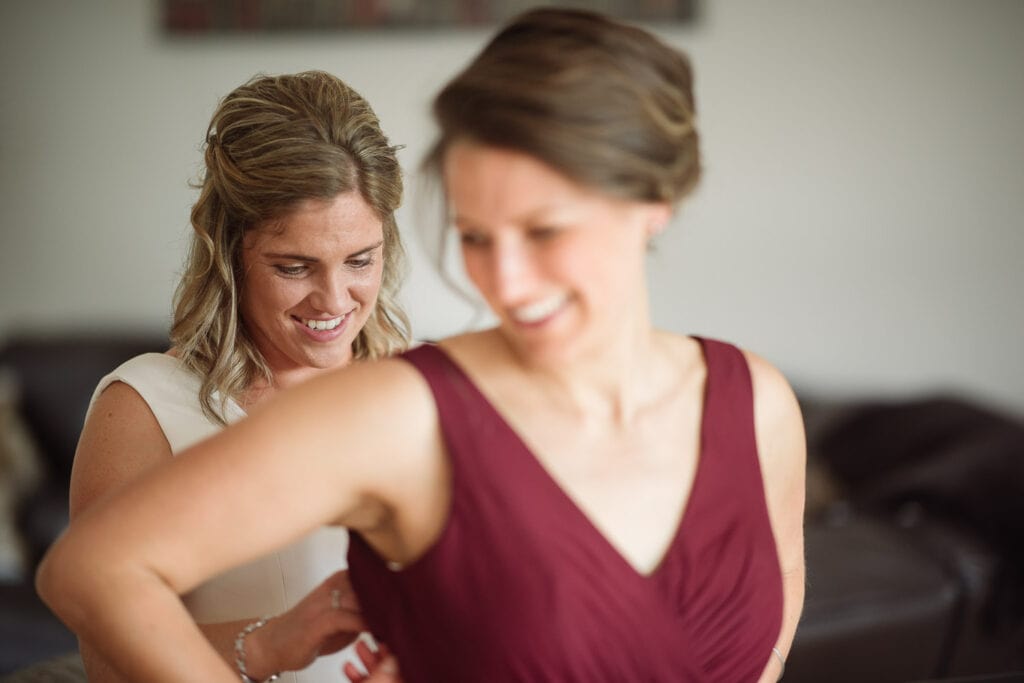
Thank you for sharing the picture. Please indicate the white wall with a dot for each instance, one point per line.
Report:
(859, 222)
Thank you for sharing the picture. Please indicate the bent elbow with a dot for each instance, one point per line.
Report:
(56, 582)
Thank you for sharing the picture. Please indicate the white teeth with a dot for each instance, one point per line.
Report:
(540, 310)
(322, 324)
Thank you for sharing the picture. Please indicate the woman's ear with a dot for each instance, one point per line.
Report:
(658, 218)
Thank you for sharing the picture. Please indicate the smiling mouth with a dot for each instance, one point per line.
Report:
(322, 324)
(540, 310)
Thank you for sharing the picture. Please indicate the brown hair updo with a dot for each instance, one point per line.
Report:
(606, 104)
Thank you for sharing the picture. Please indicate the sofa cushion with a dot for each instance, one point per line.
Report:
(29, 632)
(953, 460)
(877, 607)
(20, 475)
(56, 376)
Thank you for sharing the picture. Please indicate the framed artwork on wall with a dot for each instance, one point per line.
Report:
(198, 17)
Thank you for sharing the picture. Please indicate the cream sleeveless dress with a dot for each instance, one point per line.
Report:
(269, 585)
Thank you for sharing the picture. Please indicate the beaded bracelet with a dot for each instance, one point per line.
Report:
(240, 651)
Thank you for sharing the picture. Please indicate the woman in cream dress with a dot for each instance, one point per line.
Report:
(294, 268)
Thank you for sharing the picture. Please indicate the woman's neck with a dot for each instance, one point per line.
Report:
(612, 384)
(262, 390)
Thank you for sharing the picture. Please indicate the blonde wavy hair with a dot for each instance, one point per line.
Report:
(272, 143)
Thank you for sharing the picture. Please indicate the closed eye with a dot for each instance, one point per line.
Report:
(361, 262)
(470, 239)
(292, 270)
(541, 234)
(365, 258)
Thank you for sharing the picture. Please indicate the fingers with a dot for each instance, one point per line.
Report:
(342, 595)
(368, 657)
(353, 674)
(325, 621)
(387, 672)
(382, 667)
(345, 619)
(341, 608)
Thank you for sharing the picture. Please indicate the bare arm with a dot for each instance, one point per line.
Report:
(783, 452)
(122, 439)
(116, 575)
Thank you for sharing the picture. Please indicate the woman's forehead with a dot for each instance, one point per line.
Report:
(316, 225)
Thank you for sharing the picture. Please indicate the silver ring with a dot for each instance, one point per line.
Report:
(335, 599)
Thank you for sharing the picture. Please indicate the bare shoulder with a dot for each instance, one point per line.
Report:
(380, 414)
(779, 429)
(775, 404)
(120, 440)
(379, 392)
(483, 343)
(377, 403)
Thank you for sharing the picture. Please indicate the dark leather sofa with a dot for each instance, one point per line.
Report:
(914, 535)
(914, 543)
(55, 377)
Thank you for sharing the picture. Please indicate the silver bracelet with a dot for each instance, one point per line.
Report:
(240, 651)
(782, 663)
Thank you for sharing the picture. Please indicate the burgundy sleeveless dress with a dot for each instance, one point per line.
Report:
(520, 586)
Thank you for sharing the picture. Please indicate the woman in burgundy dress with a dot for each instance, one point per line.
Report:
(571, 495)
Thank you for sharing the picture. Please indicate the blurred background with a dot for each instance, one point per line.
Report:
(859, 223)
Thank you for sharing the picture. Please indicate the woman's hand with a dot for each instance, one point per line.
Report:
(325, 621)
(382, 667)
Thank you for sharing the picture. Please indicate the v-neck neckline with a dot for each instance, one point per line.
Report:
(567, 501)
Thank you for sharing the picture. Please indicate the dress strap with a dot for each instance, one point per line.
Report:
(729, 396)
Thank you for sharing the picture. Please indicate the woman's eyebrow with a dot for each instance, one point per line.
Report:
(313, 259)
(367, 249)
(291, 257)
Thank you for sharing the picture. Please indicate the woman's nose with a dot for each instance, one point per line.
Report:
(512, 273)
(331, 294)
